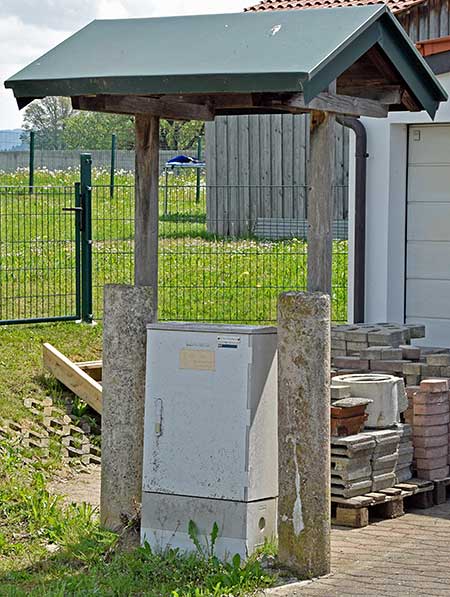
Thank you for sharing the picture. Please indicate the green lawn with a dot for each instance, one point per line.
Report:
(202, 276)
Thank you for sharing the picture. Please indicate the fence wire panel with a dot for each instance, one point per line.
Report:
(112, 240)
(218, 260)
(39, 259)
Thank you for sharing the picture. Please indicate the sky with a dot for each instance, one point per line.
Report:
(28, 28)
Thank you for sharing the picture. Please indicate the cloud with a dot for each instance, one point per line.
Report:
(29, 28)
(51, 14)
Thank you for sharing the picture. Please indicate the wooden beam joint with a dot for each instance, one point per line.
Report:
(173, 109)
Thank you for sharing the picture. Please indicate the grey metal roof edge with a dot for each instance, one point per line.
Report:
(377, 9)
(439, 63)
(416, 54)
(213, 83)
(380, 29)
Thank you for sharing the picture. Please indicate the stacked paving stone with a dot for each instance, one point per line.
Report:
(431, 417)
(403, 470)
(27, 435)
(75, 444)
(351, 465)
(354, 350)
(351, 339)
(384, 457)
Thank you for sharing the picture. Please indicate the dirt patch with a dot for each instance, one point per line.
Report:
(78, 486)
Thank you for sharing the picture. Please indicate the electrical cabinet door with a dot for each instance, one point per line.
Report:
(197, 414)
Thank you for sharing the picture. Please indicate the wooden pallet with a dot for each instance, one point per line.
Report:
(356, 512)
(420, 493)
(441, 491)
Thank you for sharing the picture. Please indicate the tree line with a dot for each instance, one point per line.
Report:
(58, 126)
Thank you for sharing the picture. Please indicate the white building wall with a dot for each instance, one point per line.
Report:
(386, 208)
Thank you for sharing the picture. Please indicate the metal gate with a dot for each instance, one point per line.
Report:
(45, 252)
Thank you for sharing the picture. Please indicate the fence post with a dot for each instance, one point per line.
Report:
(86, 237)
(199, 157)
(78, 229)
(31, 163)
(113, 165)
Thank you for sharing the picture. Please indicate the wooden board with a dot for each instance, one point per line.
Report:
(73, 377)
(92, 368)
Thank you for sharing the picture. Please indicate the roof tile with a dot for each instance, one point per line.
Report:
(394, 5)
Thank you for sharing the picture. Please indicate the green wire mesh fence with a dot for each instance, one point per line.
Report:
(219, 259)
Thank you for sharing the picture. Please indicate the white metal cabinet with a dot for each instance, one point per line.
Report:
(210, 430)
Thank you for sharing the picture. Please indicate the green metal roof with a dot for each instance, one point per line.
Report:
(282, 51)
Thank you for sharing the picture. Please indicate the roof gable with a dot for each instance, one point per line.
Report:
(263, 52)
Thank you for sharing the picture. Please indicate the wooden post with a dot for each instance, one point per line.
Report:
(320, 201)
(146, 203)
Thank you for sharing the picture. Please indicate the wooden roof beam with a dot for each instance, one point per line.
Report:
(259, 103)
(333, 102)
(179, 108)
(383, 65)
(385, 94)
(170, 108)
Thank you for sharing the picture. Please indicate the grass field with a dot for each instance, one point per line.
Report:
(202, 277)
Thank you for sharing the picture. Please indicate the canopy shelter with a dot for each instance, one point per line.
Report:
(351, 61)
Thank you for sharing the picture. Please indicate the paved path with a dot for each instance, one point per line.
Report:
(405, 557)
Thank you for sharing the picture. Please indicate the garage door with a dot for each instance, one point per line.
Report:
(428, 231)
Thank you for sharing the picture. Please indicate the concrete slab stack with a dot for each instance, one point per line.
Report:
(384, 457)
(403, 470)
(431, 429)
(351, 465)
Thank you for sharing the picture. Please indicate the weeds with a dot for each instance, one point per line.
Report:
(48, 548)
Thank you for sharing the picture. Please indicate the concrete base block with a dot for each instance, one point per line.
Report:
(386, 392)
(243, 526)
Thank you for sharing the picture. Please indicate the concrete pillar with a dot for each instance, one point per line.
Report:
(127, 310)
(304, 433)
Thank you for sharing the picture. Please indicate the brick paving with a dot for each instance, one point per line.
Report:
(404, 557)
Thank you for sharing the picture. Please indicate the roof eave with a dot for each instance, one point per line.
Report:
(161, 85)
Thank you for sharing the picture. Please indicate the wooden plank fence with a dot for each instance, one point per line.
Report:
(426, 21)
(258, 168)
